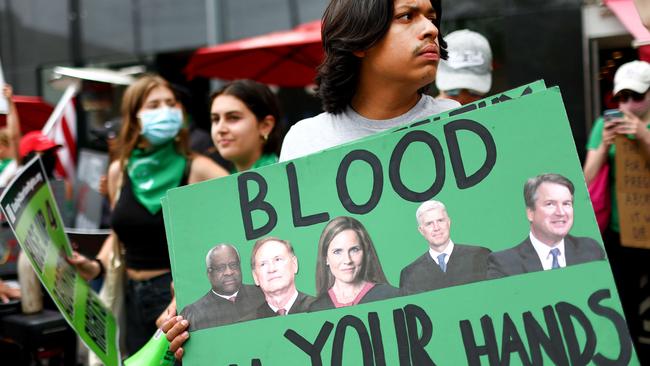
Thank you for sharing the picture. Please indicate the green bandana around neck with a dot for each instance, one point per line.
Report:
(153, 172)
(264, 160)
(4, 163)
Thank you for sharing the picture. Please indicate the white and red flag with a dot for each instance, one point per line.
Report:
(61, 127)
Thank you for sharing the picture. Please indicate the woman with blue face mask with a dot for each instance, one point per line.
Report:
(153, 157)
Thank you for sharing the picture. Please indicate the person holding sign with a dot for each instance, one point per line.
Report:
(245, 124)
(445, 263)
(154, 158)
(632, 91)
(9, 140)
(274, 268)
(228, 300)
(549, 208)
(348, 271)
(380, 57)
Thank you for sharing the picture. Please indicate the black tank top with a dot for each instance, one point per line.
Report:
(142, 234)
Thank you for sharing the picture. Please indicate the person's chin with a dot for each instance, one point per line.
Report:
(230, 290)
(347, 277)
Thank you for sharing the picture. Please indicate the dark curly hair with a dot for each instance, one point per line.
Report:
(350, 26)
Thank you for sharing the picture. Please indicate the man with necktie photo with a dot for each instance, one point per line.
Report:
(228, 299)
(445, 263)
(549, 208)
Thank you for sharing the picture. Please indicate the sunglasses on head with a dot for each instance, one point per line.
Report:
(625, 95)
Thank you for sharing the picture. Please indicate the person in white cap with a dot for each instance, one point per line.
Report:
(466, 76)
(631, 90)
(631, 85)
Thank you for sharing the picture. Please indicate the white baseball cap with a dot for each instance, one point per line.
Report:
(634, 75)
(469, 65)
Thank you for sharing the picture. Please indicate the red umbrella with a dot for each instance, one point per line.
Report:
(32, 111)
(287, 58)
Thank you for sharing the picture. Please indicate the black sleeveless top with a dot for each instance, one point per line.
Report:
(141, 233)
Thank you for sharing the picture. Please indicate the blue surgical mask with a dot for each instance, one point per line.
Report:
(160, 125)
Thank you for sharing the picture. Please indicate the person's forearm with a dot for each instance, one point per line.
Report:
(594, 161)
(13, 126)
(106, 250)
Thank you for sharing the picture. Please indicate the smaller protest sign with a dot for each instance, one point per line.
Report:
(88, 199)
(633, 193)
(29, 207)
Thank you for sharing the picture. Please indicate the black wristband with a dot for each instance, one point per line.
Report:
(102, 270)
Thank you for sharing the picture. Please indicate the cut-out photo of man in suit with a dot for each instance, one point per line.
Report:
(549, 209)
(445, 263)
(275, 266)
(228, 300)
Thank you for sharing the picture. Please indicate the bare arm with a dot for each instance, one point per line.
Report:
(203, 168)
(594, 161)
(597, 157)
(13, 122)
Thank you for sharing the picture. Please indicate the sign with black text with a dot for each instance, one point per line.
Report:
(30, 209)
(467, 238)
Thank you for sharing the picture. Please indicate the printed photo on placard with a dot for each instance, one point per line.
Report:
(464, 238)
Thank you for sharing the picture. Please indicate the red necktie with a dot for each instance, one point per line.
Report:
(232, 299)
(281, 312)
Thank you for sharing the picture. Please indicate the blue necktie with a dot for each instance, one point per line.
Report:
(555, 252)
(441, 262)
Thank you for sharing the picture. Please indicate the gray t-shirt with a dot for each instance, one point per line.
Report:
(327, 130)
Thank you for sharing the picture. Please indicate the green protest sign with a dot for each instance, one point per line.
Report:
(32, 214)
(500, 308)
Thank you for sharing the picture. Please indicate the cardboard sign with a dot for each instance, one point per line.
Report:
(633, 193)
(29, 207)
(475, 160)
(88, 200)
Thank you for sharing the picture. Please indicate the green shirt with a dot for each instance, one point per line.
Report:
(595, 139)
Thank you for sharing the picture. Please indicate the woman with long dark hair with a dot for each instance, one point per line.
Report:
(348, 271)
(246, 124)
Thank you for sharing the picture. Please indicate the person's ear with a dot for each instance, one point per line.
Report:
(266, 126)
(359, 54)
(257, 283)
(529, 214)
(295, 264)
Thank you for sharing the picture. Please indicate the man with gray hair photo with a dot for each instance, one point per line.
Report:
(228, 300)
(549, 208)
(446, 263)
(274, 267)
